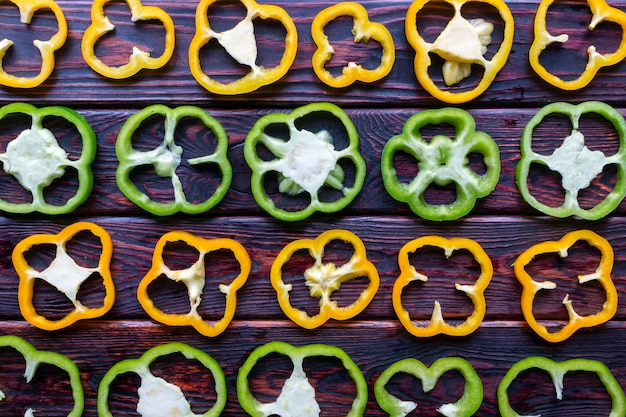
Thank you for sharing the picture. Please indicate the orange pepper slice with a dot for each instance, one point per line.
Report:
(63, 273)
(194, 279)
(325, 278)
(475, 292)
(602, 275)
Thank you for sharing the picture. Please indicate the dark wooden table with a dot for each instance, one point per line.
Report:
(502, 222)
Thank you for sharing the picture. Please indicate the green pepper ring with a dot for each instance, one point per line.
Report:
(143, 362)
(34, 358)
(82, 164)
(127, 157)
(251, 404)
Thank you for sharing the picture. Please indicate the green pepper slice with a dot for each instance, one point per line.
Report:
(305, 163)
(557, 371)
(466, 406)
(167, 158)
(297, 397)
(36, 159)
(34, 358)
(156, 395)
(442, 161)
(574, 162)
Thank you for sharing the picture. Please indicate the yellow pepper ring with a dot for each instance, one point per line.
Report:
(363, 30)
(601, 12)
(46, 48)
(602, 275)
(422, 48)
(475, 292)
(239, 42)
(138, 60)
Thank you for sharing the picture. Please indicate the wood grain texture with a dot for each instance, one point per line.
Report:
(502, 222)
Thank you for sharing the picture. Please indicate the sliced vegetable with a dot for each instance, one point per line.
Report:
(47, 48)
(139, 59)
(157, 396)
(305, 163)
(574, 162)
(467, 404)
(167, 158)
(601, 12)
(442, 161)
(476, 292)
(36, 159)
(602, 275)
(363, 30)
(557, 371)
(240, 43)
(64, 273)
(324, 278)
(297, 397)
(34, 358)
(194, 279)
(461, 44)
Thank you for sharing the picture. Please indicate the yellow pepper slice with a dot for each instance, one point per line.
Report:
(240, 43)
(325, 278)
(602, 275)
(462, 43)
(475, 292)
(194, 279)
(139, 59)
(601, 12)
(63, 273)
(363, 30)
(46, 48)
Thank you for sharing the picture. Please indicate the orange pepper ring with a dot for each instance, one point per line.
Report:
(531, 287)
(474, 292)
(27, 283)
(203, 246)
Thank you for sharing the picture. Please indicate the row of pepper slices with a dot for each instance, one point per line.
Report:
(322, 278)
(305, 162)
(160, 397)
(461, 44)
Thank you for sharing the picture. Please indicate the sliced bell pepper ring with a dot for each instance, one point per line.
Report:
(47, 48)
(442, 161)
(363, 30)
(305, 163)
(34, 358)
(601, 12)
(466, 406)
(139, 59)
(36, 159)
(64, 274)
(574, 162)
(323, 279)
(462, 43)
(475, 292)
(194, 279)
(557, 371)
(602, 275)
(166, 158)
(157, 396)
(297, 397)
(240, 43)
